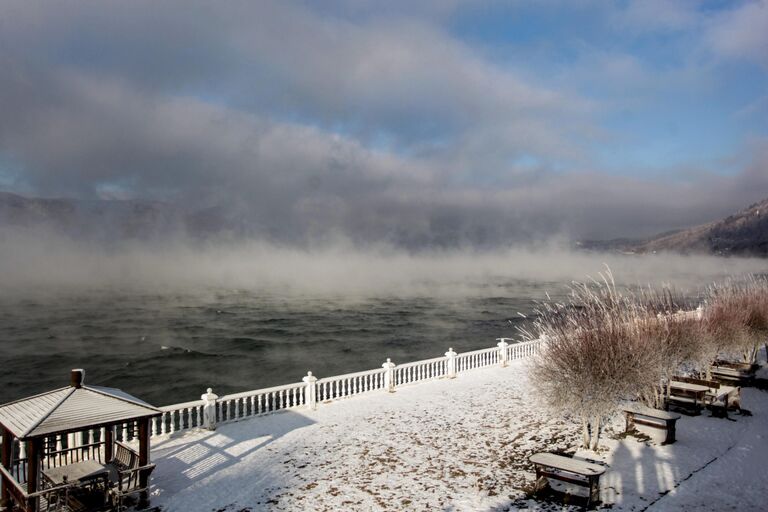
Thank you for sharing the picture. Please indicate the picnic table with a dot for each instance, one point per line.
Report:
(719, 398)
(89, 474)
(569, 470)
(638, 414)
(687, 395)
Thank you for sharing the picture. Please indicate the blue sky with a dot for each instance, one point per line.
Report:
(586, 119)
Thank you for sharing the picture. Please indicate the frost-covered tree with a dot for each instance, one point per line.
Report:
(597, 354)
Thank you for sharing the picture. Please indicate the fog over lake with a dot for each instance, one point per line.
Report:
(166, 323)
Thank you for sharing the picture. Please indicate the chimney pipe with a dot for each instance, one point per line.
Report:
(76, 377)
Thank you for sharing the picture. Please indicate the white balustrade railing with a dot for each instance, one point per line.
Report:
(212, 410)
(350, 384)
(420, 370)
(178, 417)
(477, 359)
(262, 401)
(521, 350)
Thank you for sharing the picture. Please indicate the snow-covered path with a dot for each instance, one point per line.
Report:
(458, 444)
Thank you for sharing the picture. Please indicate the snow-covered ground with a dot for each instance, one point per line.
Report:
(452, 445)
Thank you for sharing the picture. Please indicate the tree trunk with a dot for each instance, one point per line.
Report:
(596, 427)
(585, 433)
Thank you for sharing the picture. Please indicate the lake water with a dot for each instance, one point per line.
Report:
(169, 347)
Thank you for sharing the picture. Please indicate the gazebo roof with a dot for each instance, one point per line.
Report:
(72, 408)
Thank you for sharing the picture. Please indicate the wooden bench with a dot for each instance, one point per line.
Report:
(126, 474)
(729, 372)
(550, 466)
(638, 414)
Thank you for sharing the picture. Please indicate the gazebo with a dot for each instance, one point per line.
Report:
(74, 438)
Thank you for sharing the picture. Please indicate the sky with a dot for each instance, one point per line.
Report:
(444, 122)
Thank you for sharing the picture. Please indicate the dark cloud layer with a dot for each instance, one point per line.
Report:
(319, 124)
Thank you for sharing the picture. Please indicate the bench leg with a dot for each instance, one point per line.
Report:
(594, 491)
(629, 422)
(670, 437)
(542, 481)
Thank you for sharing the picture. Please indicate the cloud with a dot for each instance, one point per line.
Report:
(741, 32)
(658, 15)
(312, 125)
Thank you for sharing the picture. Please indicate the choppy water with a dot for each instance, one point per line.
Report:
(169, 347)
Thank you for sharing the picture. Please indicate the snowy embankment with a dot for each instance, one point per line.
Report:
(459, 444)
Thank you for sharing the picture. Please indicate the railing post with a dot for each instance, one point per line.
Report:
(209, 409)
(502, 344)
(389, 376)
(451, 364)
(310, 396)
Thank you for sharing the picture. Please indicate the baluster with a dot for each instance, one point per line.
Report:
(272, 401)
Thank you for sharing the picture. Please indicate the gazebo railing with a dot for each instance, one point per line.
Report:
(47, 498)
(63, 449)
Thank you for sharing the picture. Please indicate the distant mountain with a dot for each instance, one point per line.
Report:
(744, 233)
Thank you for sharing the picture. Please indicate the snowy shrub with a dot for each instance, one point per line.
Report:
(736, 318)
(598, 353)
(676, 336)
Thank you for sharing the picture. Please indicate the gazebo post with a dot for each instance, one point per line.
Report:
(5, 496)
(144, 431)
(109, 440)
(33, 472)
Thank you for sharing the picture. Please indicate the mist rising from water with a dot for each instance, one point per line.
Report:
(33, 261)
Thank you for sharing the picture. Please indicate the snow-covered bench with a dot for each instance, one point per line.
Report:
(729, 372)
(550, 466)
(638, 414)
